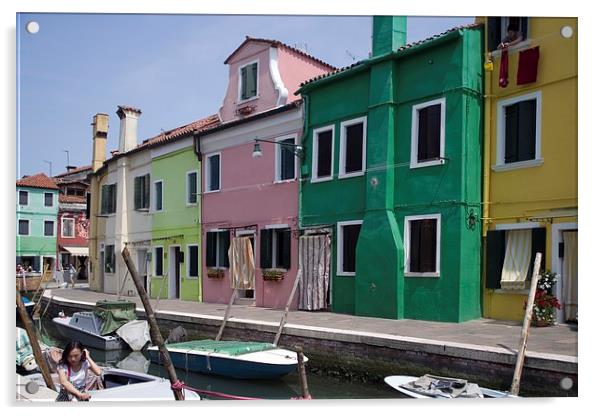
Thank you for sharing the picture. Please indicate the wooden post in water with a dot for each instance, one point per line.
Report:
(226, 316)
(302, 375)
(520, 358)
(33, 341)
(285, 315)
(154, 327)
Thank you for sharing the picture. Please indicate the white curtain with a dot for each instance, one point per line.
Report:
(314, 270)
(569, 275)
(516, 261)
(242, 264)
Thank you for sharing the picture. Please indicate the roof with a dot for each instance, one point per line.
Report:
(71, 199)
(39, 180)
(277, 43)
(73, 171)
(401, 49)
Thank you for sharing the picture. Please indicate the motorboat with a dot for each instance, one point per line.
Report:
(430, 386)
(85, 327)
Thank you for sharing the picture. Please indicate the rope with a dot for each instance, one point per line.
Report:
(179, 385)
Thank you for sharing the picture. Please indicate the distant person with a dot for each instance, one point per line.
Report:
(513, 36)
(72, 272)
(73, 370)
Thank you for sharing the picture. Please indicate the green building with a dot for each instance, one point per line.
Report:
(393, 147)
(37, 212)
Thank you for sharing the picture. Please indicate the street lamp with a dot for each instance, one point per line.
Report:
(296, 149)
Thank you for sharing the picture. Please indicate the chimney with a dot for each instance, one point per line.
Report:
(388, 34)
(127, 127)
(100, 128)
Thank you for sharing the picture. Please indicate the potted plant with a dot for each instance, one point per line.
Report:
(215, 272)
(273, 274)
(545, 303)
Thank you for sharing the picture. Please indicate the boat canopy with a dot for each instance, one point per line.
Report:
(114, 314)
(231, 348)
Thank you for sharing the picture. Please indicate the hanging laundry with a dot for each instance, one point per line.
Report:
(527, 66)
(504, 68)
(242, 264)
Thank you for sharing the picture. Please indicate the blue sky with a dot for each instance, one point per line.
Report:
(169, 66)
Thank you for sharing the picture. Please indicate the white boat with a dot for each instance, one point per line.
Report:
(85, 327)
(404, 384)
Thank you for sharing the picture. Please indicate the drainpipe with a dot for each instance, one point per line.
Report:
(487, 176)
(196, 143)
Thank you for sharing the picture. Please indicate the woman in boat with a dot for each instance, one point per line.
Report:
(73, 370)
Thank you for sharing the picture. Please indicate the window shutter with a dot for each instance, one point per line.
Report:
(252, 80)
(192, 191)
(243, 83)
(538, 244)
(493, 32)
(324, 153)
(113, 198)
(526, 130)
(137, 192)
(496, 250)
(266, 236)
(103, 200)
(285, 235)
(210, 253)
(511, 153)
(225, 241)
(146, 193)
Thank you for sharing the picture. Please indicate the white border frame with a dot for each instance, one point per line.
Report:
(414, 163)
(62, 234)
(188, 173)
(217, 251)
(239, 99)
(188, 256)
(501, 165)
(155, 261)
(314, 155)
(19, 197)
(277, 171)
(208, 169)
(107, 214)
(28, 227)
(407, 245)
(154, 196)
(53, 229)
(142, 209)
(343, 147)
(340, 226)
(557, 229)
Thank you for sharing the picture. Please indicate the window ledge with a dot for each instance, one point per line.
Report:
(285, 181)
(321, 179)
(345, 274)
(511, 292)
(244, 101)
(438, 162)
(422, 274)
(517, 165)
(212, 191)
(349, 175)
(519, 46)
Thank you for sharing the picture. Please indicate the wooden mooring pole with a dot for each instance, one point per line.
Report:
(154, 327)
(33, 341)
(226, 316)
(302, 374)
(285, 314)
(520, 358)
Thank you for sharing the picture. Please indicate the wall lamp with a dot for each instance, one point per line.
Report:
(296, 149)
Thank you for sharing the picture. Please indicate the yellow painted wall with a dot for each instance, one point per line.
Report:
(514, 196)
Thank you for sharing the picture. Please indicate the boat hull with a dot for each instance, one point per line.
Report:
(396, 381)
(87, 338)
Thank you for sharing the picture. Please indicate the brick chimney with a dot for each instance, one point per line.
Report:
(388, 34)
(100, 128)
(128, 127)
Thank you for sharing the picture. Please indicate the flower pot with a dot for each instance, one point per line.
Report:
(272, 275)
(542, 323)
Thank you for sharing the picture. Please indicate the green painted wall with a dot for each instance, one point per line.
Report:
(178, 223)
(35, 211)
(385, 89)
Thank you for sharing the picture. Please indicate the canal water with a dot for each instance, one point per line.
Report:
(320, 386)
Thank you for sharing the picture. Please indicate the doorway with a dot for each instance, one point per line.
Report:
(175, 259)
(247, 294)
(565, 249)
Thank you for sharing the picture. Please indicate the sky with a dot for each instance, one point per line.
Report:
(169, 66)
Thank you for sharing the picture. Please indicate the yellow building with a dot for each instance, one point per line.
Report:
(530, 163)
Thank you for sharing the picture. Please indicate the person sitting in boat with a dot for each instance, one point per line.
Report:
(73, 369)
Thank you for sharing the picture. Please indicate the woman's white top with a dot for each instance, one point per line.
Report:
(77, 379)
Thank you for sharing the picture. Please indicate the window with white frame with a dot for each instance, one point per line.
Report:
(347, 237)
(285, 160)
(216, 252)
(110, 259)
(193, 261)
(191, 187)
(352, 161)
(498, 30)
(158, 256)
(519, 131)
(23, 197)
(158, 204)
(23, 227)
(322, 154)
(422, 241)
(142, 192)
(68, 227)
(48, 199)
(275, 248)
(48, 228)
(428, 133)
(213, 172)
(248, 81)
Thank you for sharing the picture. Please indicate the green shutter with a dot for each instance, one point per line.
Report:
(286, 248)
(266, 248)
(225, 245)
(253, 80)
(496, 250)
(146, 192)
(137, 192)
(243, 83)
(210, 252)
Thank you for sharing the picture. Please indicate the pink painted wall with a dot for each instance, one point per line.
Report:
(249, 196)
(295, 69)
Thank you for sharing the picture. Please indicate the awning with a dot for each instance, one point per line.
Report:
(77, 250)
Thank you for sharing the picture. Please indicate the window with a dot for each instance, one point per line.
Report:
(500, 240)
(158, 261)
(71, 191)
(422, 241)
(276, 248)
(218, 243)
(68, 227)
(352, 161)
(108, 199)
(498, 29)
(142, 192)
(158, 196)
(191, 187)
(285, 160)
(322, 159)
(212, 173)
(519, 132)
(48, 199)
(110, 259)
(428, 133)
(193, 261)
(23, 197)
(347, 237)
(48, 228)
(23, 227)
(248, 81)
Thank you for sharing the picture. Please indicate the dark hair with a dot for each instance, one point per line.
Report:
(74, 344)
(512, 27)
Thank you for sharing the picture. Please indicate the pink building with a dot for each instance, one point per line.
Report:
(244, 195)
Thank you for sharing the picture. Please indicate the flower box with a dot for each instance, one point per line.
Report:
(273, 274)
(215, 273)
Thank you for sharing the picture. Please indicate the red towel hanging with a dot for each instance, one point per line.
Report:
(504, 68)
(527, 66)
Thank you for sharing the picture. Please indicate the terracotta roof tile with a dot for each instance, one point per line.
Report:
(39, 180)
(71, 199)
(199, 125)
(72, 171)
